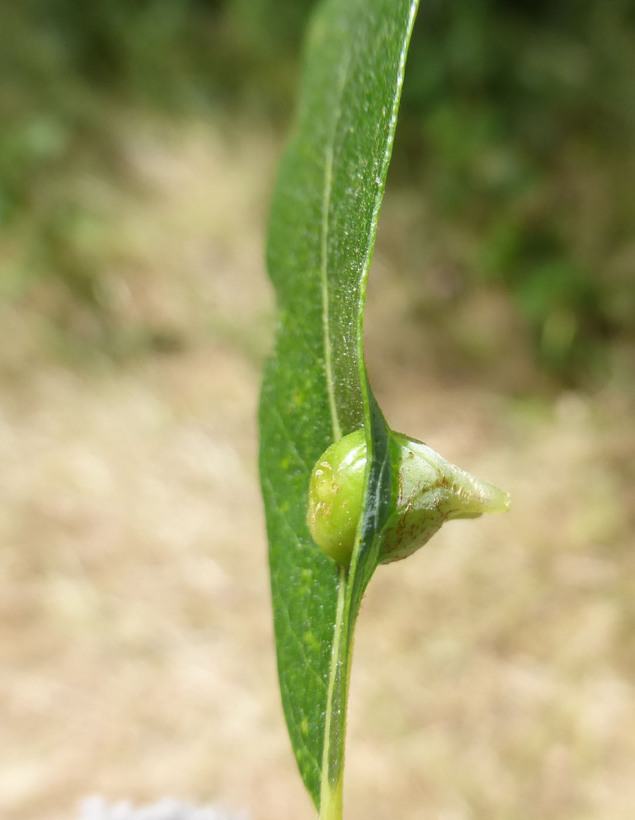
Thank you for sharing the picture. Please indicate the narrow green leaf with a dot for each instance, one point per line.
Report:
(321, 237)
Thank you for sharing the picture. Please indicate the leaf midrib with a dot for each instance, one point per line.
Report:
(324, 258)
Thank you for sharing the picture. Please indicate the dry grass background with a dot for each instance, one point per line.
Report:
(494, 671)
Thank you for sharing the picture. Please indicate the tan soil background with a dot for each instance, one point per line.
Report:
(494, 671)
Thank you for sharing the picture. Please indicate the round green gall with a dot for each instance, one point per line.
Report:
(427, 491)
(335, 496)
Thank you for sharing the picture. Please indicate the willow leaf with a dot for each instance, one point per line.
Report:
(321, 237)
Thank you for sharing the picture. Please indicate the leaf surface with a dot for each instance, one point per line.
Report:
(321, 236)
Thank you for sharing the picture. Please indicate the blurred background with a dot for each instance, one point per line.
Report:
(138, 146)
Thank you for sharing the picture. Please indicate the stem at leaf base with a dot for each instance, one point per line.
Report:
(331, 801)
(335, 726)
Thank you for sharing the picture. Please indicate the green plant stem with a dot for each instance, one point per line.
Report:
(331, 804)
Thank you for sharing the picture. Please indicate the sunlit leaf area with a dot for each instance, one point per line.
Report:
(494, 671)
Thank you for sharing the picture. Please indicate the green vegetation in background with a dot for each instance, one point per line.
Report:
(517, 127)
(519, 120)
